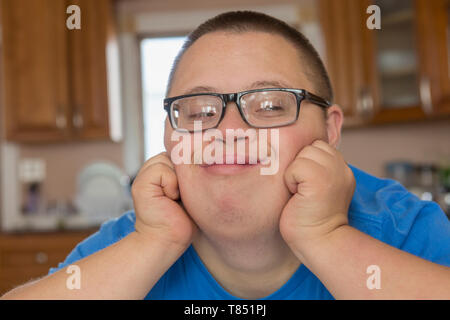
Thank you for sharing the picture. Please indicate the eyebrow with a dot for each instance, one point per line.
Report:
(254, 85)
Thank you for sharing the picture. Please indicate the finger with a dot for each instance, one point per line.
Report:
(162, 177)
(158, 173)
(169, 184)
(325, 146)
(316, 154)
(301, 170)
(159, 158)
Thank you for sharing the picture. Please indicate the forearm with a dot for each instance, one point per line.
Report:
(127, 269)
(341, 260)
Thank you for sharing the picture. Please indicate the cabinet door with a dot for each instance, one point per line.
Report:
(88, 72)
(398, 63)
(29, 256)
(348, 48)
(34, 62)
(394, 74)
(434, 29)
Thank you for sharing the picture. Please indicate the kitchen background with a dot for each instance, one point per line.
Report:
(81, 109)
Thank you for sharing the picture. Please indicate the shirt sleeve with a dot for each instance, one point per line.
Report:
(424, 233)
(110, 232)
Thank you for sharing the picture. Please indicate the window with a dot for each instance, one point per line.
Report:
(157, 56)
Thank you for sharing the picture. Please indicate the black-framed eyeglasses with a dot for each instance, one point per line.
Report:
(259, 108)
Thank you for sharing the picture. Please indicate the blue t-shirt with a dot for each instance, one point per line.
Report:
(381, 208)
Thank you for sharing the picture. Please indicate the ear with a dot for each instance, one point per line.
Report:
(335, 119)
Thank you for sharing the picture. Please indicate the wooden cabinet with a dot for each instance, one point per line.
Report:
(394, 74)
(434, 29)
(24, 257)
(88, 52)
(35, 60)
(55, 79)
(346, 51)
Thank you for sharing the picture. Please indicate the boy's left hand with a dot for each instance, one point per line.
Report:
(322, 186)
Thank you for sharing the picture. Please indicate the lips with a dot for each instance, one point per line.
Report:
(231, 165)
(232, 160)
(228, 169)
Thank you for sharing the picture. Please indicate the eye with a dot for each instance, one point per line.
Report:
(269, 106)
(201, 112)
(201, 115)
(272, 108)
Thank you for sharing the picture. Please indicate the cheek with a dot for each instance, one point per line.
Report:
(168, 143)
(185, 177)
(191, 188)
(293, 139)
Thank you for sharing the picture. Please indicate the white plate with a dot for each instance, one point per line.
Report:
(102, 192)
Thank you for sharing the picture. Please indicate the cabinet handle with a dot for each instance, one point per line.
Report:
(425, 95)
(77, 119)
(61, 121)
(41, 257)
(365, 104)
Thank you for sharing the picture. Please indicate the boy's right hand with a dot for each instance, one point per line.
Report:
(158, 214)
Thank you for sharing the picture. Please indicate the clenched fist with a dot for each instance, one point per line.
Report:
(322, 186)
(159, 213)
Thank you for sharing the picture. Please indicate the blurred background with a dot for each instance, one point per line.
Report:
(81, 109)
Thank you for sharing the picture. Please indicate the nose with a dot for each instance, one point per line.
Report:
(232, 118)
(241, 139)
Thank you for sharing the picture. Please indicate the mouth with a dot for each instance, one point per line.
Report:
(227, 169)
(231, 165)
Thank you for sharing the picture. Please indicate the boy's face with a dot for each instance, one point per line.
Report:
(238, 202)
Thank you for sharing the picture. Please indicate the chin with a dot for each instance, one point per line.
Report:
(234, 227)
(232, 203)
(235, 216)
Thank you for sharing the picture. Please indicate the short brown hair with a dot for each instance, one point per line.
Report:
(245, 21)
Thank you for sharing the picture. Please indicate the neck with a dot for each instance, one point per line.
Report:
(248, 269)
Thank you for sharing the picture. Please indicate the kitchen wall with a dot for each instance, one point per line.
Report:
(65, 161)
(370, 148)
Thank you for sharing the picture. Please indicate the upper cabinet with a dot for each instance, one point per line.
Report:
(35, 69)
(56, 80)
(89, 68)
(394, 74)
(434, 30)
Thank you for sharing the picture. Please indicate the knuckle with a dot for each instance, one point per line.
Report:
(160, 155)
(318, 142)
(159, 158)
(158, 166)
(307, 148)
(135, 190)
(289, 172)
(156, 169)
(294, 167)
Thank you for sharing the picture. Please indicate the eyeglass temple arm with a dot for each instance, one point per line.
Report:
(317, 100)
